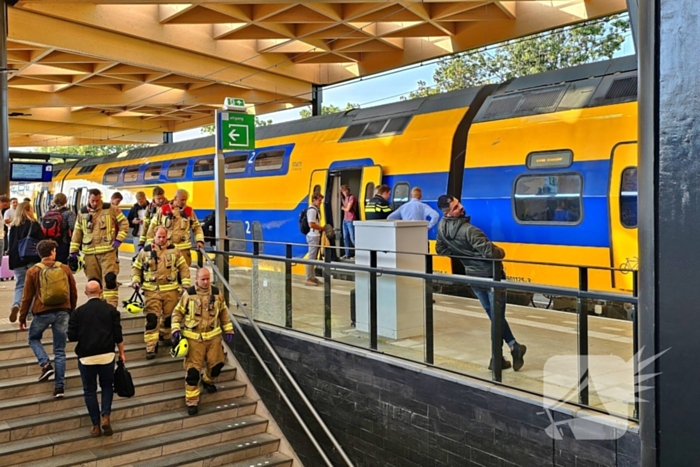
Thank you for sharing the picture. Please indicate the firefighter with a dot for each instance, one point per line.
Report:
(157, 201)
(201, 317)
(159, 269)
(95, 234)
(180, 220)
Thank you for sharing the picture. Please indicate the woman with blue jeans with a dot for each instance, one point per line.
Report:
(23, 225)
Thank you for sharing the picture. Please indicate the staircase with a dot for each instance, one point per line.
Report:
(151, 429)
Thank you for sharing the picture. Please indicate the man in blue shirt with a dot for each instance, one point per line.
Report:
(416, 210)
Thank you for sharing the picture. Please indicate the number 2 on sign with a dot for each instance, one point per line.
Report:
(247, 227)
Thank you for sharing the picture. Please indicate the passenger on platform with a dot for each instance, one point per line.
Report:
(9, 213)
(158, 200)
(27, 200)
(181, 222)
(201, 317)
(378, 207)
(209, 225)
(313, 238)
(136, 217)
(99, 231)
(160, 270)
(4, 208)
(416, 210)
(24, 231)
(116, 199)
(349, 202)
(60, 205)
(97, 329)
(51, 292)
(458, 237)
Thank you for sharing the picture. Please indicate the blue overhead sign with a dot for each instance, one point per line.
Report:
(31, 172)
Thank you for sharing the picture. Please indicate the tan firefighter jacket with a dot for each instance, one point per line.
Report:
(160, 268)
(97, 229)
(201, 314)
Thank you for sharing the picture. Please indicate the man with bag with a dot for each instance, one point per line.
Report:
(201, 317)
(51, 286)
(160, 270)
(96, 327)
(95, 234)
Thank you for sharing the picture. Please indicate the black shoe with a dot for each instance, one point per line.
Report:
(518, 353)
(192, 410)
(211, 389)
(46, 372)
(58, 393)
(505, 365)
(151, 355)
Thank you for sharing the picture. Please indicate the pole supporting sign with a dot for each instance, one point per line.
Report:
(236, 129)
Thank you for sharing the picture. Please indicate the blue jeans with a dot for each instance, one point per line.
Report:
(89, 375)
(485, 296)
(349, 238)
(58, 320)
(20, 274)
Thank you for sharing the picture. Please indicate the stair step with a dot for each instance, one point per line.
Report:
(215, 441)
(45, 403)
(128, 321)
(20, 348)
(133, 429)
(28, 366)
(229, 396)
(30, 385)
(275, 459)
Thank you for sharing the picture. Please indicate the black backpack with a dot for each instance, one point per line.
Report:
(304, 226)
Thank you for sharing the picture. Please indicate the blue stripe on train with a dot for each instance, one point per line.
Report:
(487, 197)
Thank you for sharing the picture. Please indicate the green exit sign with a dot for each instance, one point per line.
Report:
(237, 131)
(234, 103)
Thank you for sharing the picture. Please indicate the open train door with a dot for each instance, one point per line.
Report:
(318, 184)
(623, 214)
(371, 178)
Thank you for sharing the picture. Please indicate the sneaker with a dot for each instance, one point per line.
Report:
(95, 431)
(192, 410)
(46, 372)
(312, 283)
(106, 426)
(14, 313)
(211, 388)
(505, 365)
(518, 353)
(58, 393)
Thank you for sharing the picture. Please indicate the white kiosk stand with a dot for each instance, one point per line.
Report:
(400, 307)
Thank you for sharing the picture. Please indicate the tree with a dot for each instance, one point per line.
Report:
(328, 109)
(209, 129)
(587, 42)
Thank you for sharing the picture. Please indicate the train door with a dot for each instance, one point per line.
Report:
(71, 199)
(371, 178)
(43, 201)
(334, 205)
(318, 184)
(623, 214)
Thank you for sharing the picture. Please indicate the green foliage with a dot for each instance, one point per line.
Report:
(328, 109)
(209, 129)
(566, 47)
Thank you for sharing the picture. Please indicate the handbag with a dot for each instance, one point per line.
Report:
(123, 384)
(27, 248)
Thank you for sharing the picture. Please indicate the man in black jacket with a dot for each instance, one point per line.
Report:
(456, 236)
(209, 226)
(96, 327)
(378, 207)
(137, 216)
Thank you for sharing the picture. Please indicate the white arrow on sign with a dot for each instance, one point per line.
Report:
(233, 135)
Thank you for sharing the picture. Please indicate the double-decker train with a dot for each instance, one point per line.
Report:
(545, 165)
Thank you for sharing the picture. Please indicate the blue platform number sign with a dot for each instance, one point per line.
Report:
(31, 172)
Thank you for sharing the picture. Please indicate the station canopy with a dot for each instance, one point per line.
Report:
(126, 71)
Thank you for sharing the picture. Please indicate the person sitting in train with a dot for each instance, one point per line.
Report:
(378, 207)
(458, 237)
(563, 213)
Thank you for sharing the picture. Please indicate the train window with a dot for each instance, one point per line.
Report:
(56, 173)
(258, 235)
(628, 197)
(152, 172)
(131, 175)
(396, 125)
(236, 232)
(235, 164)
(177, 170)
(374, 128)
(317, 189)
(553, 198)
(86, 169)
(269, 160)
(369, 192)
(203, 167)
(400, 195)
(112, 176)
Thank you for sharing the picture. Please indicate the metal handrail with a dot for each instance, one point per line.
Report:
(284, 369)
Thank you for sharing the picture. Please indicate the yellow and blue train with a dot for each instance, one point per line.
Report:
(544, 164)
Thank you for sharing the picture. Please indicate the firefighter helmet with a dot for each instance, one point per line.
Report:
(135, 304)
(180, 349)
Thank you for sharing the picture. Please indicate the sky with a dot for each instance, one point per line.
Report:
(372, 91)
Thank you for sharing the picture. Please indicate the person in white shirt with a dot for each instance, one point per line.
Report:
(5, 209)
(313, 238)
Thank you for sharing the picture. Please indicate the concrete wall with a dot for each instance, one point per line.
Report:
(387, 412)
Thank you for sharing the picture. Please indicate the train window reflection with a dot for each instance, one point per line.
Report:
(235, 164)
(152, 172)
(131, 175)
(112, 176)
(628, 197)
(177, 170)
(203, 167)
(400, 195)
(554, 198)
(269, 160)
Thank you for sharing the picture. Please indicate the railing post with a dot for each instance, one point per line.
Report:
(429, 337)
(288, 286)
(327, 294)
(373, 300)
(582, 337)
(635, 343)
(226, 272)
(496, 326)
